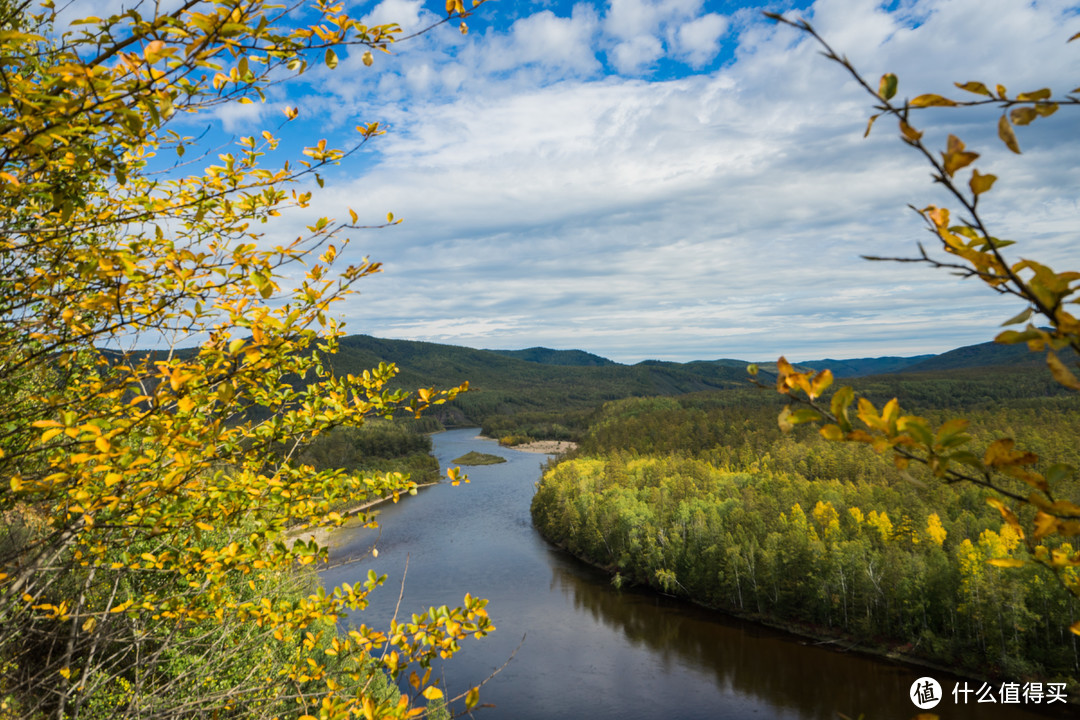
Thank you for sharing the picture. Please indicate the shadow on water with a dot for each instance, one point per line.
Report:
(596, 652)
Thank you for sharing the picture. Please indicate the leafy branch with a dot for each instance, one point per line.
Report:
(974, 252)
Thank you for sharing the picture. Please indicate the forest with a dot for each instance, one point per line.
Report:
(701, 496)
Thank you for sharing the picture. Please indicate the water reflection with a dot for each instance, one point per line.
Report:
(596, 652)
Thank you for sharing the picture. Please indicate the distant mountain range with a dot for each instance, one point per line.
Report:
(859, 367)
(986, 354)
(543, 380)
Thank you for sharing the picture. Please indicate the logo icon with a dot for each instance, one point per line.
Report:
(925, 693)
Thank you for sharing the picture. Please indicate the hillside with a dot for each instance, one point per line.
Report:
(502, 384)
(545, 393)
(547, 356)
(985, 355)
(858, 367)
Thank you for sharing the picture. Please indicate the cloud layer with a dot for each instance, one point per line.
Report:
(684, 180)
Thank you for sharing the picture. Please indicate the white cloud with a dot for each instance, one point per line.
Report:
(627, 19)
(699, 40)
(408, 14)
(714, 215)
(235, 117)
(545, 39)
(637, 53)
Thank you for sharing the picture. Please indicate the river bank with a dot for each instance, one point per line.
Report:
(323, 533)
(591, 650)
(814, 636)
(542, 447)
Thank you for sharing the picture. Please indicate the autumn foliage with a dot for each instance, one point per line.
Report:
(1033, 495)
(145, 568)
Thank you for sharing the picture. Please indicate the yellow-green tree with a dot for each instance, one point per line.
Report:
(144, 565)
(1038, 500)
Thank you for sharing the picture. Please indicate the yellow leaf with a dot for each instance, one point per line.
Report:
(102, 444)
(974, 87)
(870, 124)
(432, 693)
(1008, 515)
(46, 423)
(1000, 453)
(955, 157)
(1045, 524)
(820, 383)
(368, 58)
(1046, 109)
(832, 432)
(784, 419)
(185, 404)
(154, 51)
(472, 698)
(1005, 132)
(1006, 562)
(981, 183)
(931, 100)
(204, 526)
(1042, 94)
(1061, 373)
(910, 134)
(1023, 115)
(331, 58)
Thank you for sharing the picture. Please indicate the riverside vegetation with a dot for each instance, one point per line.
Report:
(703, 497)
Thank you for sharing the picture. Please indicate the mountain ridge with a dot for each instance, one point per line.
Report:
(552, 385)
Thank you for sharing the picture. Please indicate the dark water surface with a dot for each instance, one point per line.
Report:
(592, 651)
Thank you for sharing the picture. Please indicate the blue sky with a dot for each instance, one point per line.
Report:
(678, 180)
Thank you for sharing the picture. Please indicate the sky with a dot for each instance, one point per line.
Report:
(679, 180)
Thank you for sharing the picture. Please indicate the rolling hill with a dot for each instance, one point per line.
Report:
(548, 390)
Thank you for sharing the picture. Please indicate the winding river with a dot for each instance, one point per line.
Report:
(591, 651)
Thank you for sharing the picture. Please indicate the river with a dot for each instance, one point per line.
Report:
(591, 651)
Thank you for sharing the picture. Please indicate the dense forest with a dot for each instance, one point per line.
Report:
(703, 497)
(543, 394)
(378, 446)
